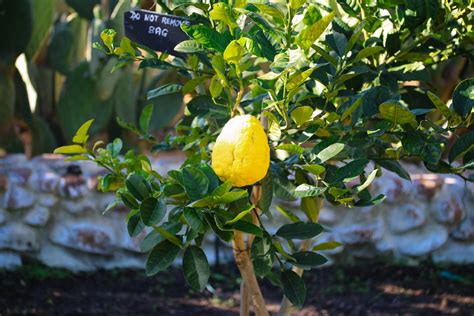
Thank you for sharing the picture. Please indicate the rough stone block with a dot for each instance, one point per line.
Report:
(87, 236)
(18, 237)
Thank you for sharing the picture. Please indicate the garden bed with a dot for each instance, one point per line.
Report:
(376, 289)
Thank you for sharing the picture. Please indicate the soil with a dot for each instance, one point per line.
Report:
(372, 289)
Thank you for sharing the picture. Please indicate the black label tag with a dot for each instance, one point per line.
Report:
(160, 32)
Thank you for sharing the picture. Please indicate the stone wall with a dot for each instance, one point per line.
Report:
(51, 211)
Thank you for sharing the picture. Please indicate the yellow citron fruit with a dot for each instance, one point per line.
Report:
(241, 153)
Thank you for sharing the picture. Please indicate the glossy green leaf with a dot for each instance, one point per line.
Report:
(292, 217)
(145, 118)
(330, 152)
(305, 190)
(350, 171)
(299, 230)
(317, 170)
(293, 287)
(195, 219)
(164, 90)
(135, 225)
(395, 167)
(302, 114)
(396, 113)
(70, 149)
(161, 257)
(308, 259)
(310, 34)
(291, 148)
(195, 183)
(233, 53)
(329, 245)
(189, 47)
(367, 52)
(138, 186)
(81, 134)
(152, 211)
(196, 268)
(463, 145)
(463, 97)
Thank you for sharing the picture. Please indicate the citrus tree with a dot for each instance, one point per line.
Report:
(296, 100)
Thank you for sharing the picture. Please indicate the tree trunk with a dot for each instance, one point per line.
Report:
(247, 272)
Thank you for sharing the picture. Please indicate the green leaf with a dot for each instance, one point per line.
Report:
(367, 52)
(138, 186)
(354, 106)
(394, 166)
(233, 53)
(355, 36)
(71, 149)
(293, 287)
(347, 172)
(305, 190)
(247, 227)
(462, 146)
(161, 257)
(189, 47)
(329, 245)
(196, 268)
(266, 193)
(463, 97)
(241, 215)
(168, 235)
(330, 152)
(418, 11)
(224, 235)
(440, 105)
(296, 4)
(310, 34)
(215, 88)
(262, 24)
(154, 238)
(128, 200)
(396, 113)
(298, 78)
(164, 90)
(222, 12)
(222, 189)
(152, 210)
(195, 182)
(302, 114)
(291, 148)
(350, 7)
(299, 230)
(194, 219)
(200, 105)
(308, 259)
(206, 36)
(283, 189)
(108, 36)
(145, 118)
(218, 64)
(135, 225)
(317, 170)
(292, 217)
(311, 207)
(262, 256)
(367, 182)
